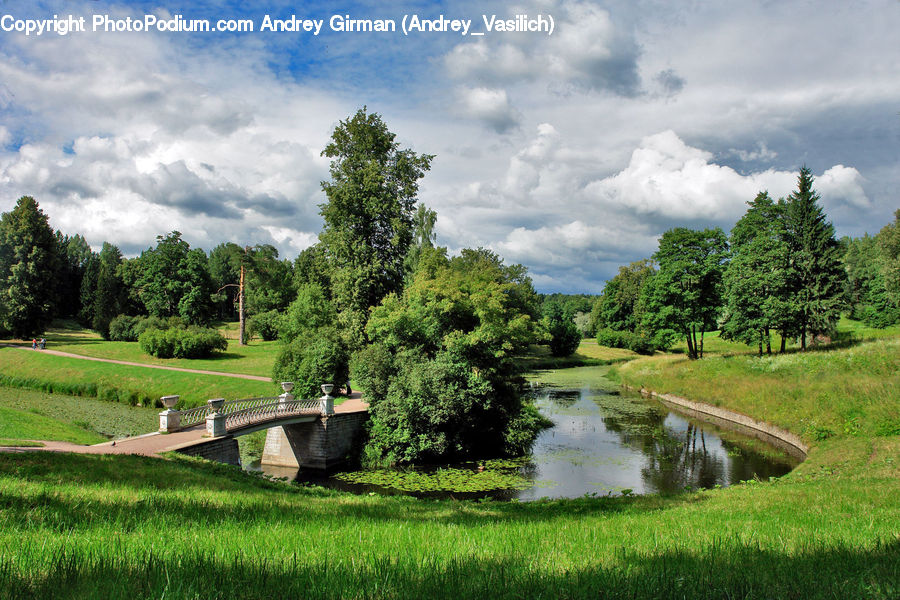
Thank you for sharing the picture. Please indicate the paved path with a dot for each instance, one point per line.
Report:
(151, 444)
(135, 364)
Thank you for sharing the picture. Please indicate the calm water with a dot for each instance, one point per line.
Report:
(606, 442)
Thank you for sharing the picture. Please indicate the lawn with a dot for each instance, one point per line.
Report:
(256, 358)
(122, 383)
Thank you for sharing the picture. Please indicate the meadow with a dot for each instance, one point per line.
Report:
(124, 527)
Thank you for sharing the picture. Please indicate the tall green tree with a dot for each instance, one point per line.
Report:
(173, 280)
(368, 216)
(816, 275)
(618, 307)
(889, 248)
(110, 294)
(423, 236)
(866, 287)
(756, 280)
(74, 253)
(685, 294)
(29, 265)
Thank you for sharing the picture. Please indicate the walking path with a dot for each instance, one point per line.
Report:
(136, 364)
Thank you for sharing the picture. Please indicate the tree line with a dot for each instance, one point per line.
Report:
(781, 271)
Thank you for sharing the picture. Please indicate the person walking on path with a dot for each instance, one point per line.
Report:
(34, 343)
(43, 343)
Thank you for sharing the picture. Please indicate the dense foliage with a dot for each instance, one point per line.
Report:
(439, 376)
(368, 217)
(28, 258)
(177, 342)
(312, 351)
(564, 335)
(625, 339)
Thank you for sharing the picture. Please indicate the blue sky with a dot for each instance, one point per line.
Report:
(570, 153)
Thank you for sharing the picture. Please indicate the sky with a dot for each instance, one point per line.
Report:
(569, 151)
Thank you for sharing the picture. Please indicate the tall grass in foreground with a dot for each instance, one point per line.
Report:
(128, 527)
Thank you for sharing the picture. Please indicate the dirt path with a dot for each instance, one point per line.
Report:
(135, 364)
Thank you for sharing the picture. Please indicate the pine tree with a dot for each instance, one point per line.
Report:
(28, 268)
(815, 274)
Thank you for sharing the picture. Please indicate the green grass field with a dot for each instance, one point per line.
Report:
(121, 383)
(256, 358)
(129, 527)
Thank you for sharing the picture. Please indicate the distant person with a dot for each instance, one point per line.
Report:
(34, 343)
(43, 343)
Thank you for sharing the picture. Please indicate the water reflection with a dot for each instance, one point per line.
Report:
(604, 442)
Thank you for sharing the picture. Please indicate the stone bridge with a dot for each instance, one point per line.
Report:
(309, 434)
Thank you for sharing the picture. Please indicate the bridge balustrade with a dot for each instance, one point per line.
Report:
(222, 416)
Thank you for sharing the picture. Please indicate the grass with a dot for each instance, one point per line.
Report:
(120, 383)
(78, 526)
(589, 353)
(22, 425)
(104, 419)
(256, 358)
(817, 394)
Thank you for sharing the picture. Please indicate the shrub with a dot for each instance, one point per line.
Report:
(265, 325)
(193, 342)
(122, 328)
(625, 339)
(564, 338)
(311, 360)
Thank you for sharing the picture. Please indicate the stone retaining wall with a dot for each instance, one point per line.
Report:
(222, 449)
(781, 438)
(322, 444)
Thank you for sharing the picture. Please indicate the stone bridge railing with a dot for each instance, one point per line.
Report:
(222, 416)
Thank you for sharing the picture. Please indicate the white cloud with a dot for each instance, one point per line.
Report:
(490, 106)
(842, 185)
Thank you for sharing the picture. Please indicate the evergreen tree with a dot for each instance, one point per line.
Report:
(88, 289)
(110, 294)
(815, 275)
(368, 217)
(73, 255)
(28, 267)
(756, 277)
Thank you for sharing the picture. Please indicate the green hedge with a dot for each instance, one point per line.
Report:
(193, 342)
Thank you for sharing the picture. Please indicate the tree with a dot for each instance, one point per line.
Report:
(889, 248)
(368, 216)
(439, 375)
(815, 274)
(28, 267)
(74, 253)
(866, 287)
(173, 280)
(685, 294)
(564, 335)
(618, 307)
(756, 292)
(423, 236)
(110, 294)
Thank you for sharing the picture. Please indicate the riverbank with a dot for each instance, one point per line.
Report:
(828, 529)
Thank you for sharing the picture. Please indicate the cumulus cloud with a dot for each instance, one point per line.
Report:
(587, 51)
(842, 185)
(491, 106)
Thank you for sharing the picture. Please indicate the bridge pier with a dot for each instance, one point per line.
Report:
(322, 444)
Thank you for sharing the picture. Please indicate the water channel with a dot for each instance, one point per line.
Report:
(604, 441)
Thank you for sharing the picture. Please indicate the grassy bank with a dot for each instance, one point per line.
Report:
(588, 354)
(118, 383)
(256, 358)
(127, 527)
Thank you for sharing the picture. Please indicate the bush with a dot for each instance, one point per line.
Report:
(625, 339)
(564, 338)
(122, 328)
(311, 360)
(265, 325)
(193, 342)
